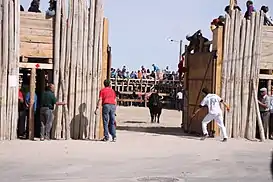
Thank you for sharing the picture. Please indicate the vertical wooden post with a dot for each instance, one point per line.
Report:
(269, 83)
(185, 115)
(56, 127)
(218, 46)
(109, 61)
(1, 86)
(62, 111)
(85, 73)
(31, 109)
(65, 84)
(90, 55)
(73, 68)
(232, 4)
(78, 83)
(104, 62)
(4, 69)
(99, 61)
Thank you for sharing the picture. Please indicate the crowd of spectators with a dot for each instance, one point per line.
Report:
(144, 73)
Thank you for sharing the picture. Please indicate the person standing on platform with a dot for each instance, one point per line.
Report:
(46, 112)
(212, 101)
(107, 98)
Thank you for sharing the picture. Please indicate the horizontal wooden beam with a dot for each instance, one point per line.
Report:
(33, 65)
(265, 77)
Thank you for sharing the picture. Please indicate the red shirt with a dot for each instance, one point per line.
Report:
(20, 95)
(108, 96)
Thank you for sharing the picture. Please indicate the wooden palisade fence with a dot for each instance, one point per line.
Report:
(240, 73)
(78, 49)
(9, 51)
(77, 67)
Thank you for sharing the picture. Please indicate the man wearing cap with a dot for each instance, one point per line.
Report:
(107, 98)
(264, 104)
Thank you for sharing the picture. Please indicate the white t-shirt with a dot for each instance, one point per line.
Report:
(179, 95)
(212, 101)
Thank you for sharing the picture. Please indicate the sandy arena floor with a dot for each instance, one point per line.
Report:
(142, 155)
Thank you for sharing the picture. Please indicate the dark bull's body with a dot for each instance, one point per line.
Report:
(155, 107)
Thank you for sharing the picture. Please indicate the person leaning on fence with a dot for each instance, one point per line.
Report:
(264, 104)
(46, 112)
(107, 98)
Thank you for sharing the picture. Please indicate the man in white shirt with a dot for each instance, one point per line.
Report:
(179, 97)
(212, 101)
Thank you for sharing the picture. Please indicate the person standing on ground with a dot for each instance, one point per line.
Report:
(46, 112)
(107, 98)
(264, 104)
(179, 97)
(271, 115)
(212, 101)
(22, 114)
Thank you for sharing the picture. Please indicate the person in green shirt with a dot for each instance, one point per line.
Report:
(46, 112)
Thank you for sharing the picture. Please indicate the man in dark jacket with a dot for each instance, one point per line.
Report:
(46, 112)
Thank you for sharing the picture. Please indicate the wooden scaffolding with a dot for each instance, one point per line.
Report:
(241, 57)
(73, 45)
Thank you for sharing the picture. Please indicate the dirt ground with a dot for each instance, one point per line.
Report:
(141, 154)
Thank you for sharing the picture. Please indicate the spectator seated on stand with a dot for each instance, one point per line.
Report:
(52, 8)
(220, 21)
(250, 9)
(198, 43)
(267, 18)
(34, 6)
(235, 7)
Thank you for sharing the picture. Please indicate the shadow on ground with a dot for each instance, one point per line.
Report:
(159, 130)
(135, 122)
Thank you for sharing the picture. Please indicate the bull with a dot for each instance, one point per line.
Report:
(155, 107)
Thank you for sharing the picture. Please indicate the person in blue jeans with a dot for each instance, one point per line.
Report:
(107, 98)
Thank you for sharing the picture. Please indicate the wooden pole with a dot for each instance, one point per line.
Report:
(31, 110)
(56, 129)
(241, 111)
(251, 126)
(96, 61)
(73, 67)
(16, 66)
(260, 124)
(236, 75)
(230, 82)
(78, 83)
(232, 4)
(225, 64)
(66, 80)
(90, 99)
(11, 64)
(104, 62)
(84, 118)
(61, 94)
(1, 85)
(4, 70)
(218, 46)
(245, 81)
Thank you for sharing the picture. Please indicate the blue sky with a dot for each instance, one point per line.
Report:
(139, 29)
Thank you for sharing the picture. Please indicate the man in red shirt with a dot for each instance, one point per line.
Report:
(107, 99)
